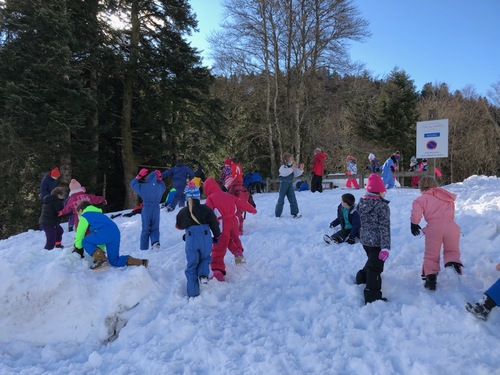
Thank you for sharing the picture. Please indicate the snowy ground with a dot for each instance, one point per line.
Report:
(292, 309)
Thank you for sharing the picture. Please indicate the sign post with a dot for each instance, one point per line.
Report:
(432, 140)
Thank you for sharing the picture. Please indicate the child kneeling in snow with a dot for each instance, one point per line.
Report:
(198, 220)
(103, 231)
(437, 206)
(348, 218)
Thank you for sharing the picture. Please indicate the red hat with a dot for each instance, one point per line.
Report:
(54, 173)
(227, 161)
(375, 184)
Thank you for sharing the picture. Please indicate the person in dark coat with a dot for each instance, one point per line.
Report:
(49, 221)
(180, 174)
(200, 223)
(349, 221)
(151, 193)
(49, 183)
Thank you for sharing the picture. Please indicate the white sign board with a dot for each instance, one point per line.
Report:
(432, 139)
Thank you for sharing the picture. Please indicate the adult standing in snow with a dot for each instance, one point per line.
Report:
(375, 236)
(102, 232)
(49, 182)
(437, 206)
(151, 192)
(199, 222)
(180, 175)
(389, 167)
(287, 172)
(318, 169)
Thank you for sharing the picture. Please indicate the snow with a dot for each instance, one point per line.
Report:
(292, 309)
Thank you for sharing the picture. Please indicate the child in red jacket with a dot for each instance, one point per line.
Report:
(225, 206)
(240, 191)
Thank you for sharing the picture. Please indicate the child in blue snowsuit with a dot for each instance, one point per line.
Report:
(348, 218)
(490, 300)
(180, 174)
(103, 232)
(197, 220)
(287, 172)
(151, 193)
(388, 168)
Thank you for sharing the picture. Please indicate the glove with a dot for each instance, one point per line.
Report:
(79, 251)
(215, 240)
(415, 229)
(383, 255)
(332, 225)
(158, 175)
(351, 240)
(142, 173)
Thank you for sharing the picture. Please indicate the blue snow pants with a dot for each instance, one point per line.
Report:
(494, 292)
(198, 249)
(109, 236)
(150, 215)
(286, 190)
(179, 196)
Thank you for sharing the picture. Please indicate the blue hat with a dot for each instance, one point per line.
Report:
(192, 191)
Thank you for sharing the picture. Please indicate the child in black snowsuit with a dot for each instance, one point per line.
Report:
(348, 218)
(50, 221)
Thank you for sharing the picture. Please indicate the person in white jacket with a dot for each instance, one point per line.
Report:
(287, 172)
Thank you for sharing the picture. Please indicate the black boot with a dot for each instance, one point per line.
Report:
(431, 281)
(456, 266)
(481, 310)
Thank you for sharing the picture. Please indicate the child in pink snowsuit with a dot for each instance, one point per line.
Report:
(437, 206)
(225, 207)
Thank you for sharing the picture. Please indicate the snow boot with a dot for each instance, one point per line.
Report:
(219, 275)
(100, 259)
(456, 266)
(155, 246)
(131, 261)
(430, 282)
(203, 280)
(296, 216)
(327, 239)
(481, 310)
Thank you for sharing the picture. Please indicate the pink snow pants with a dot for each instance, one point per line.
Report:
(437, 234)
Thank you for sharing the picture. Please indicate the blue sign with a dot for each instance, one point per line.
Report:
(430, 135)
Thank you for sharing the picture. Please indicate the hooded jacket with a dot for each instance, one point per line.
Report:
(435, 205)
(224, 204)
(375, 218)
(318, 167)
(179, 174)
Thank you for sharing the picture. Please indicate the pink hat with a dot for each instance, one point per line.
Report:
(375, 184)
(74, 185)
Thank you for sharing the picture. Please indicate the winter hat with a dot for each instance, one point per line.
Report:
(375, 184)
(424, 160)
(74, 185)
(348, 199)
(371, 157)
(396, 155)
(192, 191)
(317, 150)
(413, 160)
(227, 161)
(54, 173)
(350, 158)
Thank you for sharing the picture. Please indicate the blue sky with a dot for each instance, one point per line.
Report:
(451, 41)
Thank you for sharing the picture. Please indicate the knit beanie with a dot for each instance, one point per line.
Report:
(317, 150)
(397, 155)
(227, 161)
(371, 157)
(192, 191)
(74, 185)
(54, 173)
(375, 184)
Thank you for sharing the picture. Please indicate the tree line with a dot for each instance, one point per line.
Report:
(101, 87)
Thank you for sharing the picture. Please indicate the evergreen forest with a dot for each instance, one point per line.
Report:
(102, 88)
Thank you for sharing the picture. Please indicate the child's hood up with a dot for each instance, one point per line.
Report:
(210, 186)
(442, 194)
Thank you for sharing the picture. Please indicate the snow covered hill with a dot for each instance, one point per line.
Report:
(292, 309)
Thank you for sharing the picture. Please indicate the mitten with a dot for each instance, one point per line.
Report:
(332, 224)
(158, 175)
(415, 229)
(142, 173)
(79, 251)
(383, 255)
(351, 240)
(215, 240)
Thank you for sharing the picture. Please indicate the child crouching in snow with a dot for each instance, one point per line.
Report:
(348, 218)
(225, 206)
(437, 206)
(375, 236)
(198, 220)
